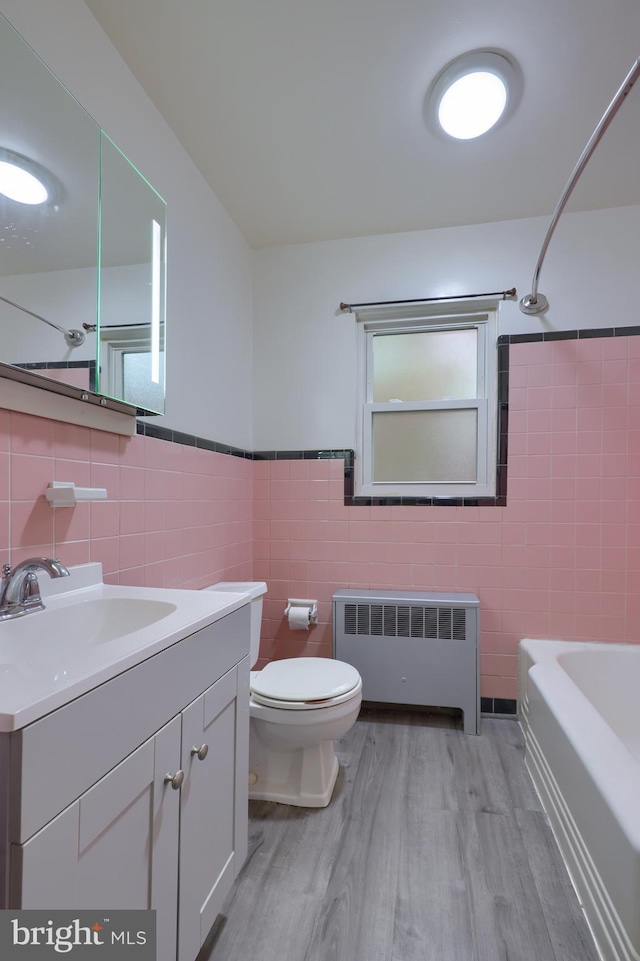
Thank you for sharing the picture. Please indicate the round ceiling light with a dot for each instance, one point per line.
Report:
(25, 181)
(18, 184)
(473, 93)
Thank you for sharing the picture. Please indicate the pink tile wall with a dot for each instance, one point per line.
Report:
(561, 560)
(175, 516)
(76, 376)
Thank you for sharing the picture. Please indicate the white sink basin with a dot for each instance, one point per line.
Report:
(83, 623)
(88, 633)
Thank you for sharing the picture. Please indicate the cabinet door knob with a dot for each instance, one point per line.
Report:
(200, 751)
(175, 780)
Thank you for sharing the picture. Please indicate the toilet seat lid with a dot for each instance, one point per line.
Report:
(305, 679)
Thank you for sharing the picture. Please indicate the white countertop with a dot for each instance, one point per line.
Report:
(89, 633)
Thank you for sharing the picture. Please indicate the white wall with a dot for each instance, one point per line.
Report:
(68, 298)
(305, 366)
(209, 295)
(65, 297)
(304, 381)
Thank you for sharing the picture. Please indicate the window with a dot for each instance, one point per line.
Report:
(126, 367)
(427, 401)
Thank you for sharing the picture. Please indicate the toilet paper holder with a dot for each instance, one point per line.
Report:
(303, 602)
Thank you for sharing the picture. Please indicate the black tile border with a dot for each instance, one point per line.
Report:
(503, 344)
(89, 365)
(499, 705)
(190, 440)
(584, 333)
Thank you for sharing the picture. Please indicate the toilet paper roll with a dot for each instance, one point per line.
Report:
(299, 618)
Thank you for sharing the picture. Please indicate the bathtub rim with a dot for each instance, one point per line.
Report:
(543, 679)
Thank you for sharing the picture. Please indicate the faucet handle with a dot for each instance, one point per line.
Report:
(29, 597)
(20, 591)
(30, 589)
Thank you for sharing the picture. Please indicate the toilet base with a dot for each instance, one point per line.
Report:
(305, 777)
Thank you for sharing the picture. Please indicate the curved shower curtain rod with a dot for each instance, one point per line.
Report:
(72, 337)
(535, 303)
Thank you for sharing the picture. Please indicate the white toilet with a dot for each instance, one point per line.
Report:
(298, 707)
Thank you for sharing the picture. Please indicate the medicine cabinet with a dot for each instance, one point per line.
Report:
(82, 270)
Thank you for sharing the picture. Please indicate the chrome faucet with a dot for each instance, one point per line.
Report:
(20, 591)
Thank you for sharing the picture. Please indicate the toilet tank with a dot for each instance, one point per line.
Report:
(256, 591)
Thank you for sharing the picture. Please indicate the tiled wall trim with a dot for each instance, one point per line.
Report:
(59, 365)
(350, 499)
(498, 705)
(190, 440)
(583, 334)
(202, 443)
(348, 455)
(88, 365)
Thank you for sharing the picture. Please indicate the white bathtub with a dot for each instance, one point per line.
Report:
(580, 713)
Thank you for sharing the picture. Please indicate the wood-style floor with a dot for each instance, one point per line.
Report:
(433, 848)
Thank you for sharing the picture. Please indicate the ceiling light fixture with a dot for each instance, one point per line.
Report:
(473, 93)
(25, 181)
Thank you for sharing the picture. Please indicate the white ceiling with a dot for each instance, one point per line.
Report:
(306, 116)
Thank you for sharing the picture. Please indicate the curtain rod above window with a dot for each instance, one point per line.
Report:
(424, 300)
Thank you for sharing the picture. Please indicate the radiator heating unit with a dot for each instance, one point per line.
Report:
(412, 647)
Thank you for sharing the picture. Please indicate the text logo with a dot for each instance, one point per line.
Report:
(100, 935)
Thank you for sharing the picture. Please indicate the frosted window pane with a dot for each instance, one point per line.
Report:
(138, 388)
(428, 365)
(425, 445)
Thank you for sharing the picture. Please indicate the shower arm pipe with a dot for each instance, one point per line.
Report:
(535, 303)
(72, 337)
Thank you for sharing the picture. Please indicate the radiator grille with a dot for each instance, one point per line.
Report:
(406, 620)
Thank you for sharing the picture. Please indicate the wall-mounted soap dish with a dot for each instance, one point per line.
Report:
(66, 494)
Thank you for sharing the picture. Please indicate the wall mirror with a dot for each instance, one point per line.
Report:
(82, 269)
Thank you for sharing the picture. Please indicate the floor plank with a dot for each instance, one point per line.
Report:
(566, 922)
(433, 848)
(506, 917)
(432, 920)
(509, 745)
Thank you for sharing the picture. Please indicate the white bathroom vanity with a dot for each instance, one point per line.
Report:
(124, 773)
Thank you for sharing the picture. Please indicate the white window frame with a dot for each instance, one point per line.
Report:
(482, 316)
(115, 342)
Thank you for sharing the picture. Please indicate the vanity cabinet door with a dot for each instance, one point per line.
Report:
(212, 843)
(115, 847)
